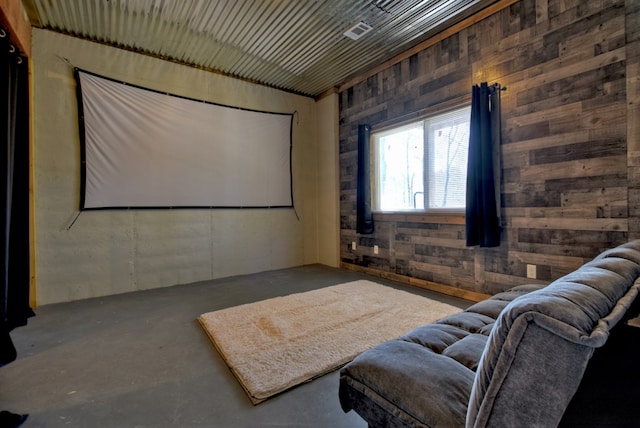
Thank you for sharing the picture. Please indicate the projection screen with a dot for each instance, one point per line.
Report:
(144, 149)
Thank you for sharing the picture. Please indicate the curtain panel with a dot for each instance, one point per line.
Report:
(483, 169)
(14, 193)
(364, 216)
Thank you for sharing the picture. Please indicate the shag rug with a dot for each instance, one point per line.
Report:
(276, 344)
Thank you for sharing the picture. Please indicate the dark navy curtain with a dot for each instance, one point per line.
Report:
(483, 183)
(14, 194)
(364, 217)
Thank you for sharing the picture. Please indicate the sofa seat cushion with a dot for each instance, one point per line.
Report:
(387, 373)
(469, 322)
(468, 350)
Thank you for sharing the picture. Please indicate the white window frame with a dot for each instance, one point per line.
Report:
(458, 112)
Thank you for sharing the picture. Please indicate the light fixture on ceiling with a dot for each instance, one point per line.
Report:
(358, 30)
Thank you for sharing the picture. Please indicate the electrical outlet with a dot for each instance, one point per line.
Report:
(375, 249)
(531, 271)
(353, 245)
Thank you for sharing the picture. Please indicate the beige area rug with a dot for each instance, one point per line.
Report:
(273, 345)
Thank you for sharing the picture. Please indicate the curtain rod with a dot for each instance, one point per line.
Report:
(442, 107)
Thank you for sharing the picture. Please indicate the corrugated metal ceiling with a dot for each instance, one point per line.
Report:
(294, 45)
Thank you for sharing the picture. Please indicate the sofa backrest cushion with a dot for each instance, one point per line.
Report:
(541, 342)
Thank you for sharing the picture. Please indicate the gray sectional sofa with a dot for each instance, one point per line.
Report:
(514, 360)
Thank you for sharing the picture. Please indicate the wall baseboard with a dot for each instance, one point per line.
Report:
(449, 290)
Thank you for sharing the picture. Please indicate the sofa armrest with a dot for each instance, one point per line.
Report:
(533, 379)
(540, 345)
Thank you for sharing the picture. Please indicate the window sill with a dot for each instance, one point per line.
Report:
(447, 217)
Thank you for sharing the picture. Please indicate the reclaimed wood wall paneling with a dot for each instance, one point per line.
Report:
(570, 153)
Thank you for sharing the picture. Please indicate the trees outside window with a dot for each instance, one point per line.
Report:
(422, 166)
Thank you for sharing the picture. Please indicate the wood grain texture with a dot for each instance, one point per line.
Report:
(570, 150)
(632, 24)
(13, 19)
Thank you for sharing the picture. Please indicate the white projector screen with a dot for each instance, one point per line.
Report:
(145, 149)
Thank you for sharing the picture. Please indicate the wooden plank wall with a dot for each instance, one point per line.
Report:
(570, 151)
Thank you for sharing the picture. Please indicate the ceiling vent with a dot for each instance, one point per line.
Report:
(358, 30)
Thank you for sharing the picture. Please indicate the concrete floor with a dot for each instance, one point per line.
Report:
(142, 360)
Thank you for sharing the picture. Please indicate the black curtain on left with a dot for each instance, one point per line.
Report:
(364, 217)
(14, 193)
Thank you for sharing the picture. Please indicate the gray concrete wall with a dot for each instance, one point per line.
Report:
(116, 251)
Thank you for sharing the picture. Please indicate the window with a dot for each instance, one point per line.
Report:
(423, 165)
